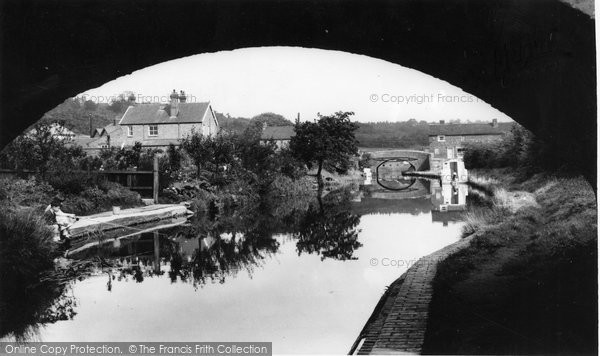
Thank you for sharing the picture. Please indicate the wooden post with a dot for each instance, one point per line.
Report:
(155, 184)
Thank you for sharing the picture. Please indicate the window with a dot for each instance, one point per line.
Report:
(153, 130)
(129, 131)
(441, 138)
(436, 151)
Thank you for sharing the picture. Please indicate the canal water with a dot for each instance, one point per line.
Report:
(304, 275)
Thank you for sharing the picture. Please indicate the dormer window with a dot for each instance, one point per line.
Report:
(153, 130)
(441, 138)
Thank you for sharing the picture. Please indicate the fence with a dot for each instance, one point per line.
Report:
(140, 181)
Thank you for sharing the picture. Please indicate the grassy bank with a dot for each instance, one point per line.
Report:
(528, 282)
(26, 251)
(28, 295)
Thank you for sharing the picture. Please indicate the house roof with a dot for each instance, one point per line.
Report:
(277, 133)
(144, 114)
(83, 140)
(107, 130)
(469, 129)
(99, 134)
(111, 129)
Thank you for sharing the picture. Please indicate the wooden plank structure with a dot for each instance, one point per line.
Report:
(127, 217)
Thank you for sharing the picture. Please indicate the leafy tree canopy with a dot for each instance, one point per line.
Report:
(75, 114)
(271, 119)
(328, 141)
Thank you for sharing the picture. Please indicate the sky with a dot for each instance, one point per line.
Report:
(292, 80)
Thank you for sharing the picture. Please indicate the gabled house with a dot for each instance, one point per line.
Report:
(447, 141)
(105, 137)
(280, 134)
(158, 125)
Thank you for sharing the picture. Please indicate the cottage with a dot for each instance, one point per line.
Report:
(159, 125)
(447, 141)
(280, 134)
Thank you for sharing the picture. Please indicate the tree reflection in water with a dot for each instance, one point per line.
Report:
(215, 246)
(329, 228)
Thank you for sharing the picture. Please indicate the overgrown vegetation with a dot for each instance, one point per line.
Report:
(522, 151)
(76, 113)
(528, 281)
(231, 167)
(26, 251)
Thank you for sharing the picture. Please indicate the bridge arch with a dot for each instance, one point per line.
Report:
(533, 60)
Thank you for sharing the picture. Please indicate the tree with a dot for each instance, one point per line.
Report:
(121, 102)
(75, 113)
(271, 119)
(209, 152)
(175, 157)
(254, 156)
(40, 148)
(90, 105)
(329, 141)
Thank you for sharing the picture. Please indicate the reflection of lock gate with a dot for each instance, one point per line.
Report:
(453, 170)
(449, 197)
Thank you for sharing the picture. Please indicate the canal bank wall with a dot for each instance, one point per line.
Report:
(399, 321)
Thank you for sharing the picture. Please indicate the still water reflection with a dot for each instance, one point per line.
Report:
(302, 274)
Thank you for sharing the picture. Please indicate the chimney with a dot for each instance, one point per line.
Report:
(442, 122)
(115, 120)
(174, 108)
(131, 99)
(182, 97)
(494, 122)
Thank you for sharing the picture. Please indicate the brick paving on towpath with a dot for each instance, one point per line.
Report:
(400, 319)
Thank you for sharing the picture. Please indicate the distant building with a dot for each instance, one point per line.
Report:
(280, 134)
(105, 137)
(448, 140)
(158, 125)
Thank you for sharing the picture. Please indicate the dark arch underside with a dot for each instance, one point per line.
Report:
(533, 60)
